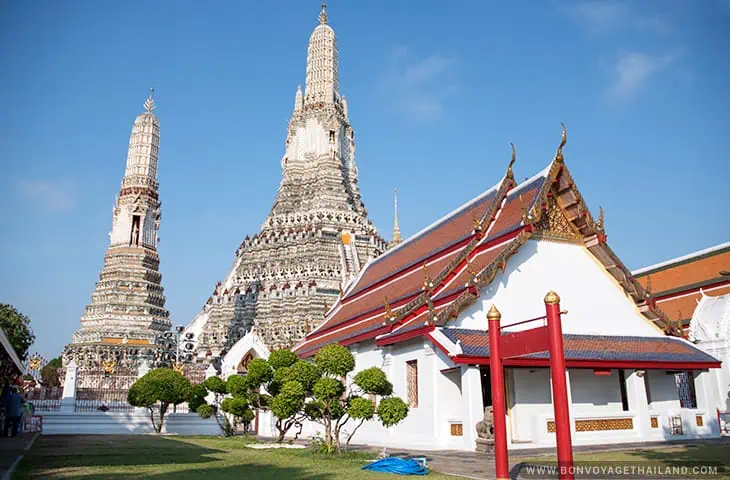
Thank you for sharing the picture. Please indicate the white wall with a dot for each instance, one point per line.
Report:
(595, 394)
(138, 422)
(595, 302)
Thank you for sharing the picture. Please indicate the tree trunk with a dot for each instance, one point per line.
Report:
(282, 431)
(349, 437)
(328, 432)
(152, 418)
(163, 410)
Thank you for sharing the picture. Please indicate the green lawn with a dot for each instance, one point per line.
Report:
(716, 455)
(173, 457)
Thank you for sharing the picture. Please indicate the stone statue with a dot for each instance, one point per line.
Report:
(485, 431)
(135, 235)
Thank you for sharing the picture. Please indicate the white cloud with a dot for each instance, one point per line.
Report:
(602, 17)
(419, 87)
(633, 70)
(51, 196)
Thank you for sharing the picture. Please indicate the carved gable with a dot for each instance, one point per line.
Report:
(554, 225)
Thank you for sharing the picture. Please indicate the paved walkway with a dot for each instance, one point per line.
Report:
(11, 449)
(480, 466)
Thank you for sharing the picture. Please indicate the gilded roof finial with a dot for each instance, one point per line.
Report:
(600, 219)
(510, 174)
(470, 269)
(149, 104)
(525, 213)
(388, 310)
(323, 15)
(648, 286)
(563, 140)
(476, 222)
(427, 284)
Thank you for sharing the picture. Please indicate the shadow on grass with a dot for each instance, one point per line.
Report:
(715, 455)
(115, 457)
(254, 471)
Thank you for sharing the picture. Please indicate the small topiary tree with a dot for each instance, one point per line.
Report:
(240, 410)
(198, 403)
(161, 387)
(334, 405)
(286, 380)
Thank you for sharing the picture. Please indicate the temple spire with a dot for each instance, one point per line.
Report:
(396, 238)
(149, 104)
(322, 83)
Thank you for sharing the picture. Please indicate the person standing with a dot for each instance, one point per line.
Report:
(13, 412)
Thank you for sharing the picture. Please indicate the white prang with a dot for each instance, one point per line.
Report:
(127, 306)
(317, 236)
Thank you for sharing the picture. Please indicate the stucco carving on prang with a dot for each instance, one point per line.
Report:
(127, 308)
(317, 236)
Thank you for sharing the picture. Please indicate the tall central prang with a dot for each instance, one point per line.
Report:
(317, 236)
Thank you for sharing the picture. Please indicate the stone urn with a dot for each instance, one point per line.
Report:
(485, 432)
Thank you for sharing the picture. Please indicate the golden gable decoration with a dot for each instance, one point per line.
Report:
(554, 225)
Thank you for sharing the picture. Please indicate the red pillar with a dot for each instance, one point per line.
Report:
(560, 388)
(501, 459)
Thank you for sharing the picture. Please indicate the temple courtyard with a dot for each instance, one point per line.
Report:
(182, 457)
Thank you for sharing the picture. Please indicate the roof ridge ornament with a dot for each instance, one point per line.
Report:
(149, 104)
(323, 15)
(510, 174)
(563, 139)
(601, 219)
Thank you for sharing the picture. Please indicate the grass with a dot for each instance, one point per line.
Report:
(715, 455)
(179, 458)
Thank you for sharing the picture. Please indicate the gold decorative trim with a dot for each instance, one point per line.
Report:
(457, 430)
(109, 366)
(699, 420)
(597, 425)
(493, 314)
(654, 422)
(554, 224)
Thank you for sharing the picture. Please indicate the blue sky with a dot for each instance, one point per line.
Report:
(436, 92)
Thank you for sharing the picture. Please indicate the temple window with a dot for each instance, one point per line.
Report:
(686, 389)
(412, 382)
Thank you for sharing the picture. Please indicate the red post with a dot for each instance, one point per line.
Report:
(560, 388)
(496, 370)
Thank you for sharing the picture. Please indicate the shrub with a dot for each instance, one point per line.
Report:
(161, 387)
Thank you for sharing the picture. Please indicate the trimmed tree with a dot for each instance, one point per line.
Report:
(286, 380)
(334, 412)
(159, 388)
(198, 403)
(335, 405)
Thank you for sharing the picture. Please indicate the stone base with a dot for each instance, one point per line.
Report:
(485, 445)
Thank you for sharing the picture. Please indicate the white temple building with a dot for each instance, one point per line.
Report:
(418, 311)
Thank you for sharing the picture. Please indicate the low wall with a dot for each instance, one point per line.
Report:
(106, 423)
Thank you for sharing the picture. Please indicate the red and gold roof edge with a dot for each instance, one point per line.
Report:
(560, 185)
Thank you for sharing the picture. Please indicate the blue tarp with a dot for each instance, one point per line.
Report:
(400, 466)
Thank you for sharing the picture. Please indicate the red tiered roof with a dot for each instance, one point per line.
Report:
(462, 252)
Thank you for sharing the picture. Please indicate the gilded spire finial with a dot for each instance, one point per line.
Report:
(563, 140)
(149, 104)
(510, 174)
(396, 238)
(323, 15)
